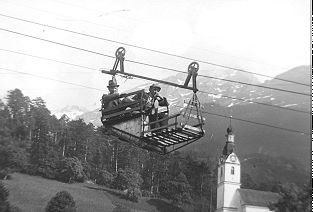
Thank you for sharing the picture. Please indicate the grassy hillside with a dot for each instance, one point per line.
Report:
(31, 193)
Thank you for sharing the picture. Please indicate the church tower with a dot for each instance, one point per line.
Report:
(228, 177)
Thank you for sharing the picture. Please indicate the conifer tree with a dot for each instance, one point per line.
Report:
(19, 107)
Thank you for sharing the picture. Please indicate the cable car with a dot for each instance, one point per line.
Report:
(131, 120)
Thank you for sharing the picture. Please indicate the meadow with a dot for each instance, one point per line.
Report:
(32, 193)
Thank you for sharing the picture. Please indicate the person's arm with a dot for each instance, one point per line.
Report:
(162, 101)
(109, 97)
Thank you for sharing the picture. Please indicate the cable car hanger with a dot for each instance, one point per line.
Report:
(120, 53)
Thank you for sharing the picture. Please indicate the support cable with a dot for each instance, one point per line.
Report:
(224, 96)
(147, 64)
(151, 50)
(243, 120)
(258, 123)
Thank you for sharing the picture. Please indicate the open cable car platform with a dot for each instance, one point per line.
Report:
(130, 123)
(171, 140)
(133, 121)
(163, 141)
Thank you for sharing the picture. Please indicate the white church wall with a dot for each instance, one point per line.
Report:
(220, 174)
(227, 210)
(251, 208)
(236, 201)
(220, 196)
(229, 195)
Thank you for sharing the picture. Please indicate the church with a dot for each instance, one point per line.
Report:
(230, 197)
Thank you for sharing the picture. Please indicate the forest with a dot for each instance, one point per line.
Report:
(35, 142)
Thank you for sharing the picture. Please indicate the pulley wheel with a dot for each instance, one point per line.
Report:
(120, 52)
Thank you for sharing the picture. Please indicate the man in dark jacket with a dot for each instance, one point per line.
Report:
(113, 100)
(154, 101)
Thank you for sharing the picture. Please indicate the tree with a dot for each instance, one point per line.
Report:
(43, 156)
(126, 179)
(71, 169)
(104, 178)
(154, 172)
(12, 156)
(120, 180)
(61, 202)
(176, 186)
(77, 139)
(5, 205)
(4, 119)
(40, 130)
(201, 178)
(293, 199)
(19, 106)
(198, 175)
(178, 190)
(129, 180)
(4, 195)
(63, 121)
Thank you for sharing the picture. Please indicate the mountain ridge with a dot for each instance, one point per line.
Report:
(72, 111)
(251, 138)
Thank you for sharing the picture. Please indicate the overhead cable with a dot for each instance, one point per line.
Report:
(152, 50)
(49, 59)
(75, 84)
(147, 64)
(258, 123)
(48, 78)
(252, 122)
(93, 69)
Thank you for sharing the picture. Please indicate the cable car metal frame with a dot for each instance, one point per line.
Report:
(129, 122)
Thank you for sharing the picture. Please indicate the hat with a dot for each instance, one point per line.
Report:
(158, 88)
(112, 84)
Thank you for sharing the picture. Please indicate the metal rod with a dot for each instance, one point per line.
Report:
(148, 78)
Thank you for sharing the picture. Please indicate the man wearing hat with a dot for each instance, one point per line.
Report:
(154, 101)
(112, 100)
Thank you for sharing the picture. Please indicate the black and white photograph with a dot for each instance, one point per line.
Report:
(155, 106)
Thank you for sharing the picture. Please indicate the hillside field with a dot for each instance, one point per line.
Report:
(32, 194)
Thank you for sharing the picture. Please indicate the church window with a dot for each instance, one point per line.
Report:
(232, 170)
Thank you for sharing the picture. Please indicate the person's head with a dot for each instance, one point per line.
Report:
(154, 89)
(113, 87)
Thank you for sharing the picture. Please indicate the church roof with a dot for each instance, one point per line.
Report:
(258, 198)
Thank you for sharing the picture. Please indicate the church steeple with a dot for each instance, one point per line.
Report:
(228, 175)
(230, 142)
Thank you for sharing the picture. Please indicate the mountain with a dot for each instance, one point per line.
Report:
(250, 137)
(299, 74)
(91, 117)
(71, 111)
(265, 170)
(254, 138)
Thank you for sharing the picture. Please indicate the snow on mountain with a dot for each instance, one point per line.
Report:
(71, 111)
(251, 138)
(225, 93)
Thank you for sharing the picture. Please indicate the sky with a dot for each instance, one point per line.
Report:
(262, 36)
